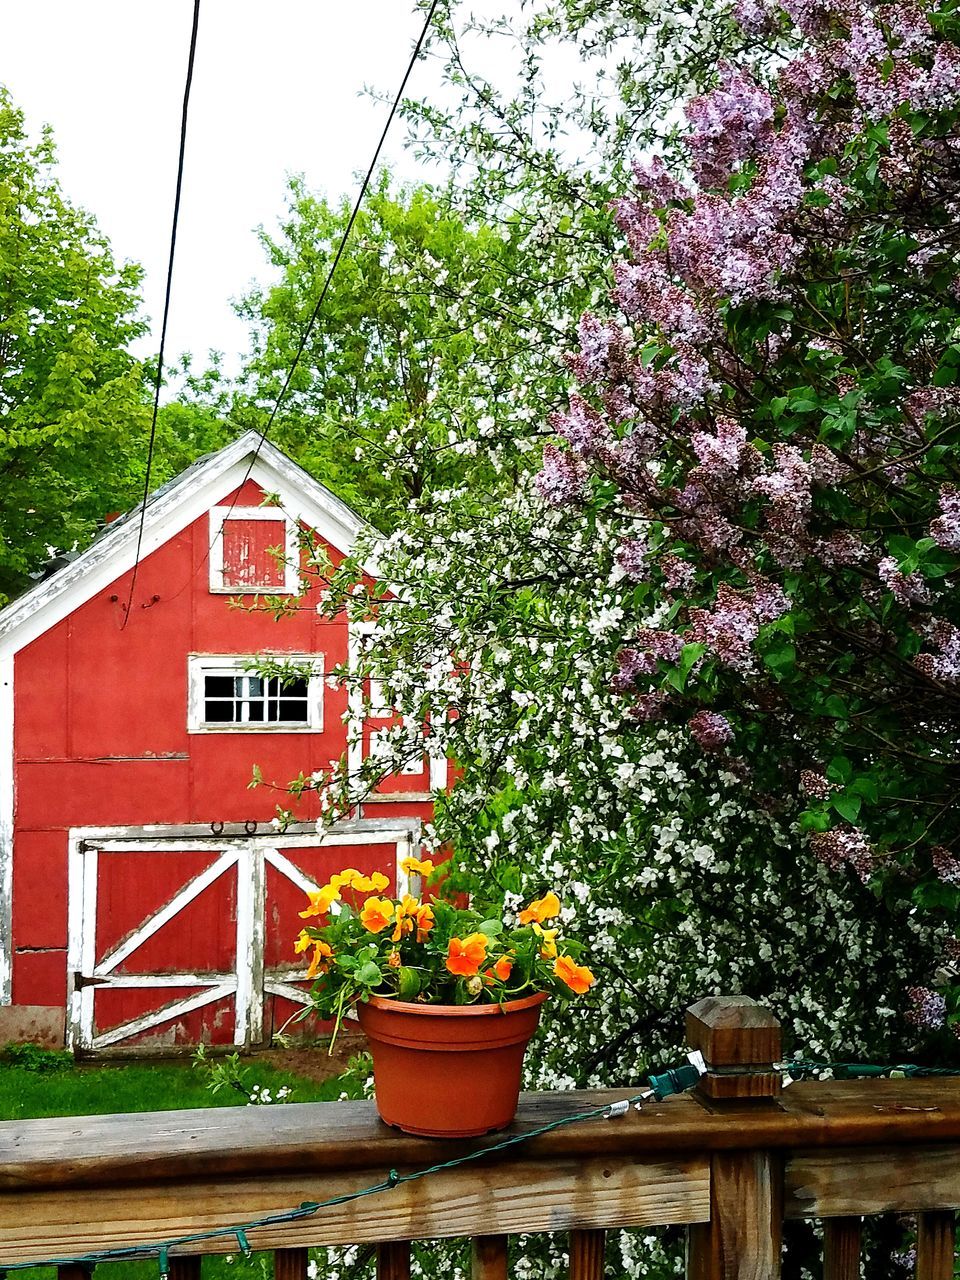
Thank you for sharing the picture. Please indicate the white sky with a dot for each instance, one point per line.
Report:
(275, 91)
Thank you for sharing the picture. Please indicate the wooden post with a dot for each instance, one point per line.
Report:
(841, 1249)
(935, 1244)
(489, 1258)
(740, 1042)
(185, 1266)
(586, 1255)
(393, 1260)
(290, 1264)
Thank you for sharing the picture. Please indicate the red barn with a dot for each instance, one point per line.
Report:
(143, 889)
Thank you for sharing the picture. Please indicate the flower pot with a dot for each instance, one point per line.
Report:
(448, 1071)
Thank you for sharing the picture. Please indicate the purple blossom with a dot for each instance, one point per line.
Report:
(945, 529)
(842, 547)
(815, 784)
(946, 865)
(632, 558)
(719, 453)
(654, 179)
(925, 401)
(664, 644)
(645, 291)
(826, 469)
(906, 588)
(928, 1008)
(678, 575)
(731, 627)
(563, 478)
(944, 664)
(732, 123)
(631, 665)
(582, 427)
(838, 848)
(649, 706)
(753, 16)
(710, 730)
(603, 349)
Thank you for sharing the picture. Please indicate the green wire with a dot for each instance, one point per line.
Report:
(308, 1208)
(868, 1070)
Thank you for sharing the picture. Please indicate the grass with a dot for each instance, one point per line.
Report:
(36, 1083)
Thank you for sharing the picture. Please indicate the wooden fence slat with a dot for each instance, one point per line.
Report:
(742, 1240)
(935, 1245)
(841, 1248)
(393, 1260)
(290, 1264)
(586, 1255)
(488, 1258)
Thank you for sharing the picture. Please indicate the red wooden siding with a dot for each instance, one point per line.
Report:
(101, 739)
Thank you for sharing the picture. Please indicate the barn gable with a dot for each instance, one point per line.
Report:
(171, 780)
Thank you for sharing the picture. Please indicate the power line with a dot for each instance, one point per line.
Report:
(166, 304)
(305, 335)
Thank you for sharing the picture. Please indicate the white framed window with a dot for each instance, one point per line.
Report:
(253, 549)
(226, 696)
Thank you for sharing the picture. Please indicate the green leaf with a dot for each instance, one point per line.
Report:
(847, 805)
(490, 927)
(369, 974)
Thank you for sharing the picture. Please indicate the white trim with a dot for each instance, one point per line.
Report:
(6, 828)
(171, 510)
(248, 1019)
(75, 937)
(291, 541)
(275, 987)
(153, 923)
(293, 873)
(156, 1017)
(201, 664)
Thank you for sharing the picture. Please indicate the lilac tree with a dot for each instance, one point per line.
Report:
(776, 409)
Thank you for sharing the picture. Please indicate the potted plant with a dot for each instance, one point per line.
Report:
(448, 996)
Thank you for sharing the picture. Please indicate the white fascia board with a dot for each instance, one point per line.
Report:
(200, 488)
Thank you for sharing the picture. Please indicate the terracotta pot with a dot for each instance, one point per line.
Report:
(448, 1071)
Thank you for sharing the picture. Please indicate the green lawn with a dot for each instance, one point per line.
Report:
(36, 1083)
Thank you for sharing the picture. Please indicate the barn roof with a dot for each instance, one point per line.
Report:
(170, 509)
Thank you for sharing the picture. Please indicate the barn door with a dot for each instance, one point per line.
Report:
(176, 942)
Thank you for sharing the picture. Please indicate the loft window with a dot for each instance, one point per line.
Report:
(225, 695)
(253, 549)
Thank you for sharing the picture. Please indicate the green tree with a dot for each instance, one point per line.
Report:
(432, 323)
(71, 398)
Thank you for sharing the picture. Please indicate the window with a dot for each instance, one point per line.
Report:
(253, 549)
(225, 695)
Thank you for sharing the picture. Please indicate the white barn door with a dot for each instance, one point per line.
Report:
(181, 938)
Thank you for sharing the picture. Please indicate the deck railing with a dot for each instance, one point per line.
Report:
(730, 1161)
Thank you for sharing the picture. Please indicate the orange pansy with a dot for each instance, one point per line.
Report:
(466, 955)
(577, 977)
(321, 959)
(541, 909)
(376, 914)
(503, 968)
(424, 921)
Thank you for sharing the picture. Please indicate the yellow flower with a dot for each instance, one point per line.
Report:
(413, 866)
(321, 901)
(548, 939)
(320, 963)
(541, 909)
(376, 914)
(303, 942)
(406, 914)
(577, 977)
(346, 877)
(370, 884)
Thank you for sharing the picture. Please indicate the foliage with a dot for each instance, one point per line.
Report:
(430, 952)
(71, 400)
(31, 1057)
(430, 320)
(777, 409)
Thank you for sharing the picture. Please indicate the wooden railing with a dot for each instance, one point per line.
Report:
(729, 1161)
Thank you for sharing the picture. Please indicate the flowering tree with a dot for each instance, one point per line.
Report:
(776, 407)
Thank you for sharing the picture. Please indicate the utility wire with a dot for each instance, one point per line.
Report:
(191, 57)
(308, 329)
